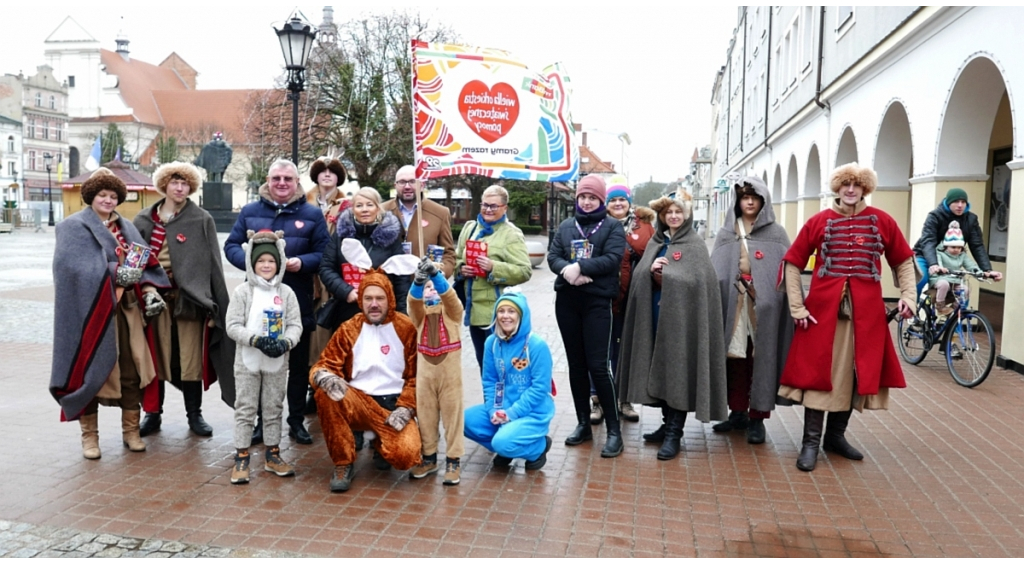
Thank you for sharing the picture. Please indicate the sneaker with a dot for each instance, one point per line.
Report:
(273, 463)
(628, 413)
(341, 481)
(425, 468)
(501, 461)
(452, 472)
(541, 460)
(596, 413)
(240, 473)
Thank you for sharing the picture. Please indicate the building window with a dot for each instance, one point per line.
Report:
(31, 160)
(10, 169)
(39, 100)
(46, 130)
(30, 128)
(53, 103)
(844, 14)
(10, 143)
(808, 38)
(71, 81)
(60, 131)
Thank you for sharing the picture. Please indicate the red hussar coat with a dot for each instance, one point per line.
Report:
(848, 253)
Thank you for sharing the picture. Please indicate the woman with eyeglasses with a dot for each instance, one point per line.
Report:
(586, 254)
(498, 261)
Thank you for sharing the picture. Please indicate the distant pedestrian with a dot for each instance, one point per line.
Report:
(99, 289)
(265, 321)
(586, 254)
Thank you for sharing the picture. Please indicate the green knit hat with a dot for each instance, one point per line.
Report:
(266, 249)
(955, 194)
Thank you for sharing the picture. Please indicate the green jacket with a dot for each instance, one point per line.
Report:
(506, 248)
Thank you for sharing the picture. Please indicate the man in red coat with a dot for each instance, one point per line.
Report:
(843, 313)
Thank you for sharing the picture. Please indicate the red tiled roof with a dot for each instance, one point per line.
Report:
(593, 164)
(136, 80)
(185, 110)
(133, 179)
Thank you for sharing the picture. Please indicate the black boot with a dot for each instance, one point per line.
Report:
(581, 434)
(257, 431)
(755, 431)
(150, 424)
(298, 432)
(310, 402)
(613, 444)
(835, 436)
(738, 420)
(659, 435)
(673, 434)
(360, 440)
(813, 422)
(193, 392)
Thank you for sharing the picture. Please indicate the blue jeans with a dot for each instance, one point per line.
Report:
(922, 265)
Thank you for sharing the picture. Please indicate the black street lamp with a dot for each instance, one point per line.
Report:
(296, 39)
(48, 161)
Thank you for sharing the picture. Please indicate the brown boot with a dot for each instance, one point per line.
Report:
(130, 430)
(90, 436)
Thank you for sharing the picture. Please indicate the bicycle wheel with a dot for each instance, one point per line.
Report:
(970, 349)
(913, 341)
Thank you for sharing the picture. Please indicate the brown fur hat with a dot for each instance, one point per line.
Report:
(853, 172)
(103, 179)
(187, 172)
(328, 163)
(680, 197)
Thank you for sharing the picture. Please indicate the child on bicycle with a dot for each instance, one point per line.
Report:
(951, 256)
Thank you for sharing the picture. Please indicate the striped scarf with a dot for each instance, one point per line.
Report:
(156, 240)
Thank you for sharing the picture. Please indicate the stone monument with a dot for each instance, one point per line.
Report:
(215, 158)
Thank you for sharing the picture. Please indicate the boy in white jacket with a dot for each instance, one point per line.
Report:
(264, 319)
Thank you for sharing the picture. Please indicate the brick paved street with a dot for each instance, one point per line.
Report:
(941, 476)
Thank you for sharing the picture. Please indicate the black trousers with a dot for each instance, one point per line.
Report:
(479, 336)
(585, 322)
(298, 379)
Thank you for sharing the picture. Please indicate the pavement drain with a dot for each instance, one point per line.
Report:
(24, 540)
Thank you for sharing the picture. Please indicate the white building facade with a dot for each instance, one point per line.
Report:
(924, 95)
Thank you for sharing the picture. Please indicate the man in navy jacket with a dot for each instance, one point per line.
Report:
(282, 207)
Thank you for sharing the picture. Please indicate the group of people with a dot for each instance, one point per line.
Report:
(353, 308)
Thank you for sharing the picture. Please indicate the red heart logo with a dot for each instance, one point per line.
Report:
(385, 349)
(677, 255)
(299, 224)
(180, 238)
(489, 112)
(758, 255)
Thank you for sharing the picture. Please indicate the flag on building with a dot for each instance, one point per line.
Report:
(93, 162)
(481, 111)
(117, 155)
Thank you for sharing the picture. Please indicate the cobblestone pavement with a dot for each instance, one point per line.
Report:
(941, 475)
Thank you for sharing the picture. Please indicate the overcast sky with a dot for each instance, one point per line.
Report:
(643, 68)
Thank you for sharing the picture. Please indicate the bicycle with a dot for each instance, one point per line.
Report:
(965, 337)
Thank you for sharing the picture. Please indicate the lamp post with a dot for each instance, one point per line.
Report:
(296, 39)
(48, 161)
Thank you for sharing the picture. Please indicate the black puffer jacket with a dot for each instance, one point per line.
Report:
(381, 240)
(609, 241)
(935, 227)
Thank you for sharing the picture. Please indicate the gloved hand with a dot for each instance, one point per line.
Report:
(155, 305)
(582, 279)
(424, 271)
(266, 345)
(333, 385)
(127, 276)
(277, 347)
(399, 418)
(571, 273)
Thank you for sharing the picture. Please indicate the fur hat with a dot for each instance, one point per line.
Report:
(955, 194)
(954, 236)
(185, 171)
(853, 172)
(328, 163)
(593, 185)
(375, 277)
(103, 179)
(265, 242)
(680, 197)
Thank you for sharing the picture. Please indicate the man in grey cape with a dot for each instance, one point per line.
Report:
(747, 254)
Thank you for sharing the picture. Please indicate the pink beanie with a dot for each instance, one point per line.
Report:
(593, 185)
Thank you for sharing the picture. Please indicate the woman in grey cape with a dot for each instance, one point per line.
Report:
(673, 344)
(747, 254)
(101, 352)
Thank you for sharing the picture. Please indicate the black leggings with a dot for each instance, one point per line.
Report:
(585, 322)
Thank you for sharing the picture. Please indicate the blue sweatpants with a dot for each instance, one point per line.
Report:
(522, 438)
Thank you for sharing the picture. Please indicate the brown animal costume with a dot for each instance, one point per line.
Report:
(369, 357)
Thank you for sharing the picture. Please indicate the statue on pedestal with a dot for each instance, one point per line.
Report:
(215, 158)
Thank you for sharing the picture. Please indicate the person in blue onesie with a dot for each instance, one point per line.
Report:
(518, 408)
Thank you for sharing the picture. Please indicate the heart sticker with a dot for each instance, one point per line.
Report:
(180, 237)
(489, 112)
(425, 223)
(277, 300)
(385, 349)
(299, 224)
(758, 255)
(677, 255)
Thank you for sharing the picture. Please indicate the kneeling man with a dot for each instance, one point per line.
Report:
(365, 380)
